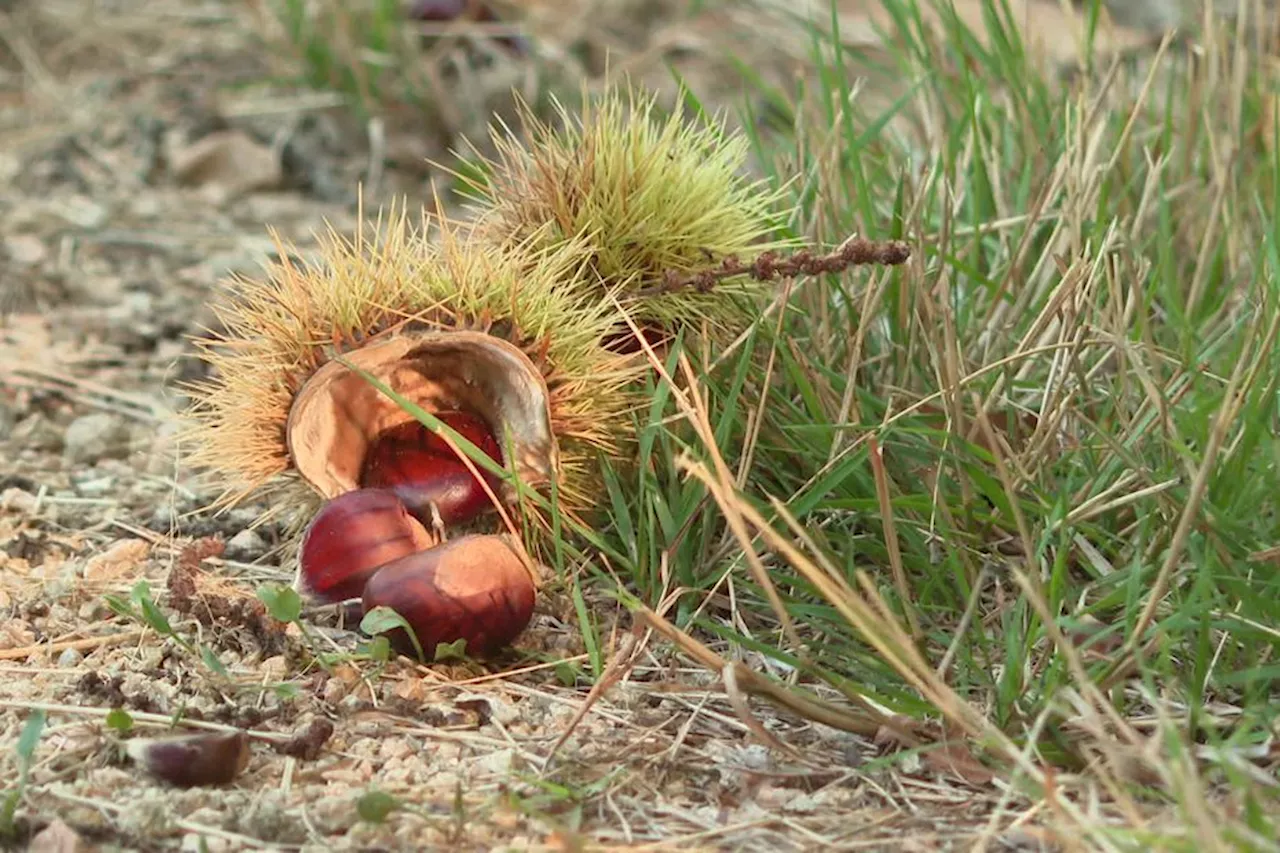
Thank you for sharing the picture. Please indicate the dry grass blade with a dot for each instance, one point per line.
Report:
(755, 684)
(1237, 387)
(891, 537)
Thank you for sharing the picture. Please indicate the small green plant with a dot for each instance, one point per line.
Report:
(119, 721)
(383, 63)
(375, 806)
(284, 604)
(26, 750)
(380, 620)
(365, 51)
(142, 608)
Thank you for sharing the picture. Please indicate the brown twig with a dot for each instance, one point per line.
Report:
(77, 645)
(863, 722)
(769, 266)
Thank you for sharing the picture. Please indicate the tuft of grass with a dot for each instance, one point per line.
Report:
(1021, 488)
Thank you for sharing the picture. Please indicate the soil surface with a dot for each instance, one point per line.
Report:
(145, 148)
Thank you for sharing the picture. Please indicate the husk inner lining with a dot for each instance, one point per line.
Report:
(337, 413)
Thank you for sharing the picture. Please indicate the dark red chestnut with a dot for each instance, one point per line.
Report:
(470, 426)
(626, 342)
(422, 469)
(472, 588)
(208, 758)
(350, 537)
(440, 10)
(471, 10)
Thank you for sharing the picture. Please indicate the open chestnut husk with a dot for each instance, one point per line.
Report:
(473, 588)
(423, 470)
(350, 538)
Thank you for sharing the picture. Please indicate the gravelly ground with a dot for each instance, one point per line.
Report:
(142, 159)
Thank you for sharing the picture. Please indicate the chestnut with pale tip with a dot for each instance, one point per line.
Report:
(209, 758)
(350, 538)
(421, 468)
(473, 588)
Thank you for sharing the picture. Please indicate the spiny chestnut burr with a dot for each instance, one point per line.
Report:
(350, 537)
(209, 758)
(422, 469)
(473, 588)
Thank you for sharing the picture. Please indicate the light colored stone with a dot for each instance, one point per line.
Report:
(90, 437)
(25, 250)
(245, 545)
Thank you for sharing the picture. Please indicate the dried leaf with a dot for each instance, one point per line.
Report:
(122, 559)
(230, 163)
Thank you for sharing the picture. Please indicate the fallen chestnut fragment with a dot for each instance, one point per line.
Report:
(422, 469)
(473, 588)
(448, 10)
(469, 10)
(209, 758)
(350, 537)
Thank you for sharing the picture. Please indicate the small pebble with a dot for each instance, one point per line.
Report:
(245, 545)
(70, 658)
(163, 518)
(84, 212)
(25, 249)
(334, 690)
(90, 437)
(57, 837)
(17, 500)
(96, 487)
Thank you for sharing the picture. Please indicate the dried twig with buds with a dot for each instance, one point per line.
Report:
(769, 266)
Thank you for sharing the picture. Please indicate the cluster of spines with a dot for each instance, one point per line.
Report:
(281, 327)
(572, 231)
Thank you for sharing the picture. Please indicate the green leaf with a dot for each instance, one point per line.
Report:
(379, 620)
(120, 720)
(566, 673)
(457, 650)
(151, 615)
(374, 806)
(282, 602)
(7, 810)
(378, 649)
(30, 737)
(286, 690)
(120, 607)
(211, 661)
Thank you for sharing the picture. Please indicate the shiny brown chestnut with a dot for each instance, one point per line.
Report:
(473, 588)
(422, 469)
(350, 538)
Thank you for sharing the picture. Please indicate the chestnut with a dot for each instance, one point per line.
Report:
(439, 10)
(350, 537)
(422, 469)
(452, 10)
(474, 588)
(208, 758)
